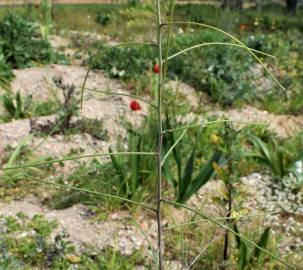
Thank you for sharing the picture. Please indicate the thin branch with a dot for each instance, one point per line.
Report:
(108, 49)
(90, 192)
(121, 94)
(235, 39)
(78, 157)
(215, 122)
(215, 43)
(202, 251)
(219, 219)
(160, 137)
(173, 146)
(230, 230)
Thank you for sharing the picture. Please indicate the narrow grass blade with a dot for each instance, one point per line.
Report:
(205, 174)
(120, 170)
(185, 180)
(263, 241)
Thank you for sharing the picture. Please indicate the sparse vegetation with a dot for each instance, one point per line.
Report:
(173, 158)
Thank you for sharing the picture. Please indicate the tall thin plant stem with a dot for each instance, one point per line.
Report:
(229, 186)
(160, 138)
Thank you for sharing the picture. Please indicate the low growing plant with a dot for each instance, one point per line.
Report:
(277, 159)
(185, 184)
(16, 107)
(21, 42)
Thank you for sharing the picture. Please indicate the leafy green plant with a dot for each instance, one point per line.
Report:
(136, 170)
(6, 73)
(46, 7)
(21, 42)
(186, 185)
(277, 159)
(247, 258)
(16, 107)
(69, 107)
(103, 19)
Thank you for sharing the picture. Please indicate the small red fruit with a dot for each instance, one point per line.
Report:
(135, 106)
(156, 68)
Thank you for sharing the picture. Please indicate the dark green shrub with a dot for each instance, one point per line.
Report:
(6, 73)
(103, 19)
(124, 63)
(21, 42)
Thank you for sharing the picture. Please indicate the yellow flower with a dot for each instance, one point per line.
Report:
(73, 258)
(215, 139)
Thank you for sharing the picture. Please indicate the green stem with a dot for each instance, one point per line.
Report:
(214, 122)
(160, 138)
(121, 94)
(78, 157)
(215, 43)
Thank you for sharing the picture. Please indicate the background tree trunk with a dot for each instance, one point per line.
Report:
(291, 6)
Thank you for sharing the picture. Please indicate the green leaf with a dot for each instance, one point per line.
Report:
(135, 146)
(242, 248)
(19, 112)
(238, 239)
(168, 175)
(263, 241)
(261, 147)
(267, 158)
(242, 257)
(9, 105)
(176, 150)
(206, 173)
(120, 170)
(186, 178)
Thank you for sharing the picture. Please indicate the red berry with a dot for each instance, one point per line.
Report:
(156, 68)
(135, 106)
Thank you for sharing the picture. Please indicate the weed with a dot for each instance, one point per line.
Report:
(186, 185)
(69, 106)
(278, 160)
(16, 108)
(21, 43)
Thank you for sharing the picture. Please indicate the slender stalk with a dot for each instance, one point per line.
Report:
(120, 94)
(215, 43)
(78, 157)
(160, 138)
(215, 122)
(229, 187)
(240, 217)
